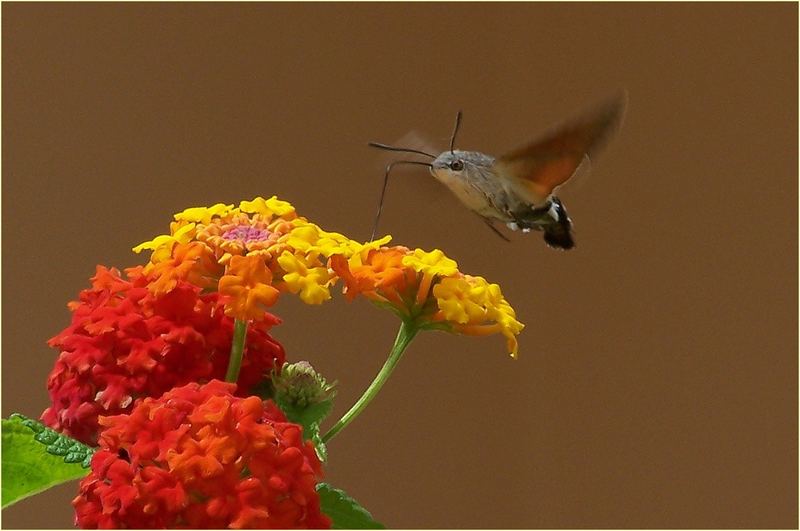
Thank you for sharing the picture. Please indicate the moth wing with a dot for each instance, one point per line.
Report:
(538, 168)
(415, 140)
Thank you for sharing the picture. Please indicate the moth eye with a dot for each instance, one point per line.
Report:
(456, 165)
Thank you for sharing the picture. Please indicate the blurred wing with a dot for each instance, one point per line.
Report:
(540, 167)
(416, 140)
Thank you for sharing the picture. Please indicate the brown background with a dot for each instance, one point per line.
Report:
(657, 382)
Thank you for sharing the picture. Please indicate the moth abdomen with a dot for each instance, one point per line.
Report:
(552, 219)
(558, 234)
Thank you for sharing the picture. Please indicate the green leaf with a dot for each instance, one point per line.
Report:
(319, 444)
(309, 418)
(56, 443)
(345, 512)
(36, 458)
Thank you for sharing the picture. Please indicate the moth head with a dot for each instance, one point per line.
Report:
(452, 161)
(456, 164)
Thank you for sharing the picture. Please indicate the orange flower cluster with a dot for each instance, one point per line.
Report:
(198, 457)
(428, 289)
(253, 252)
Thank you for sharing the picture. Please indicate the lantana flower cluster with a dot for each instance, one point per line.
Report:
(199, 457)
(254, 252)
(126, 343)
(139, 367)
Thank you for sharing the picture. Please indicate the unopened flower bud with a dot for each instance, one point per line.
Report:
(300, 386)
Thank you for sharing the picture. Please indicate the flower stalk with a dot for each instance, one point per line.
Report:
(408, 329)
(237, 350)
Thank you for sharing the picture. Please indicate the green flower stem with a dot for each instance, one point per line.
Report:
(237, 350)
(408, 329)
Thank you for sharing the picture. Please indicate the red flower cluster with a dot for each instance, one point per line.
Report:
(125, 343)
(198, 457)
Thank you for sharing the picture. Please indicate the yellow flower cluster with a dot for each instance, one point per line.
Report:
(252, 252)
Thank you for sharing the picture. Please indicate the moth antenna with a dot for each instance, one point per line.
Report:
(385, 184)
(393, 148)
(455, 131)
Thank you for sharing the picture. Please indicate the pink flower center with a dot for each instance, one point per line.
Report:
(246, 234)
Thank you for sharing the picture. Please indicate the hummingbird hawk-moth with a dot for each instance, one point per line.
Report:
(517, 189)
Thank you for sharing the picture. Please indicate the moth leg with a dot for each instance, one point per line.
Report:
(494, 229)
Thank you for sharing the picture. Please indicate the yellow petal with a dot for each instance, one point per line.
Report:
(204, 214)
